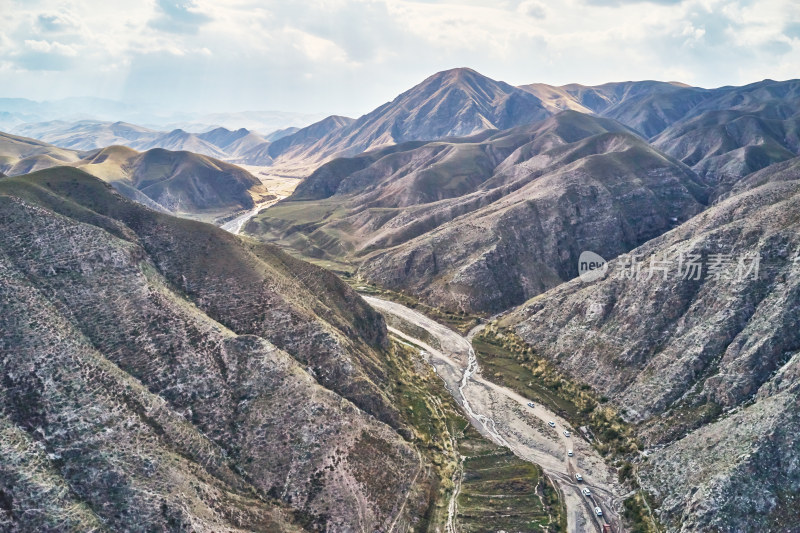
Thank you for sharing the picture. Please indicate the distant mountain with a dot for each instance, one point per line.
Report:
(220, 142)
(650, 107)
(173, 181)
(482, 223)
(20, 155)
(277, 134)
(89, 134)
(724, 134)
(646, 106)
(176, 140)
(455, 102)
(706, 365)
(258, 121)
(296, 145)
(15, 111)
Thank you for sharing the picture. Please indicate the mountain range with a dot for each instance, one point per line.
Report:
(17, 111)
(481, 224)
(702, 370)
(172, 181)
(217, 382)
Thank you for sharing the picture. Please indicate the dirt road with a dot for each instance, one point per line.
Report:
(505, 417)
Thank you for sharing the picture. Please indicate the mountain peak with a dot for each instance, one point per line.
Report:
(457, 76)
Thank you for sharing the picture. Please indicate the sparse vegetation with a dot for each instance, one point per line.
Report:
(500, 489)
(506, 359)
(497, 487)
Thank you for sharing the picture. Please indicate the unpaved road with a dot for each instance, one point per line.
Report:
(504, 416)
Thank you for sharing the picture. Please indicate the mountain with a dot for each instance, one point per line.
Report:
(652, 111)
(220, 143)
(254, 120)
(88, 134)
(555, 99)
(724, 146)
(233, 143)
(179, 140)
(455, 102)
(646, 106)
(164, 373)
(178, 182)
(777, 172)
(706, 365)
(482, 223)
(16, 111)
(19, 155)
(650, 107)
(277, 134)
(288, 145)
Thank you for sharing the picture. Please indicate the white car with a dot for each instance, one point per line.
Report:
(569, 453)
(598, 511)
(552, 424)
(579, 477)
(530, 404)
(566, 434)
(586, 492)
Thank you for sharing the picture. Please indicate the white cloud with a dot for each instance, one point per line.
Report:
(348, 56)
(315, 48)
(47, 47)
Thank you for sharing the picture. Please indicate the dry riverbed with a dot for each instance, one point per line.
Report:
(504, 416)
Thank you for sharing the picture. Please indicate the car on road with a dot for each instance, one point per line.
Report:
(566, 434)
(579, 477)
(586, 492)
(569, 453)
(552, 424)
(598, 511)
(530, 404)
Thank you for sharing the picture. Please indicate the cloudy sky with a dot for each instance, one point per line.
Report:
(348, 56)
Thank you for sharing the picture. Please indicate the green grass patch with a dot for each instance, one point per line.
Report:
(500, 491)
(637, 515)
(508, 361)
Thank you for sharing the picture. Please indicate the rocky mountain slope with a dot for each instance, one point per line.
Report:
(479, 224)
(162, 372)
(178, 182)
(701, 354)
(724, 146)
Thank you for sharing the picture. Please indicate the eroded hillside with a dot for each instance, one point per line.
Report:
(163, 372)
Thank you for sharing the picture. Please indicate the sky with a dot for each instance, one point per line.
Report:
(349, 56)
